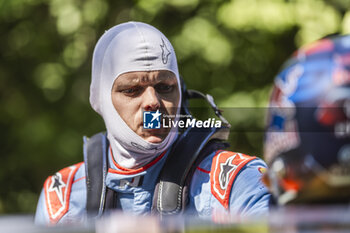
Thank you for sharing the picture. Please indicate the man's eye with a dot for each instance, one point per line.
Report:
(164, 88)
(130, 91)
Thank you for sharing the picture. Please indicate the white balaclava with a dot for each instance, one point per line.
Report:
(128, 47)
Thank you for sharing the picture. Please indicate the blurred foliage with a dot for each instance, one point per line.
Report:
(230, 49)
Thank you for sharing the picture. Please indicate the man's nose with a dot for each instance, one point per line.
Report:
(151, 101)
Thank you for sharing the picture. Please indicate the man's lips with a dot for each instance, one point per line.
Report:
(153, 132)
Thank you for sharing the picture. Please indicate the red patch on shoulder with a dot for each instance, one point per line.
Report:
(224, 169)
(57, 192)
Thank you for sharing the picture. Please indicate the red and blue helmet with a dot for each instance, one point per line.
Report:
(307, 137)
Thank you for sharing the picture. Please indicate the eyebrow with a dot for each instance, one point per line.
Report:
(143, 79)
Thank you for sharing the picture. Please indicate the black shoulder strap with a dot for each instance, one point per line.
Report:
(95, 158)
(170, 193)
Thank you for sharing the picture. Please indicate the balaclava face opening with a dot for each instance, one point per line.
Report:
(129, 47)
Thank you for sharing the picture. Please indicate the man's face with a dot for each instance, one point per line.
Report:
(139, 91)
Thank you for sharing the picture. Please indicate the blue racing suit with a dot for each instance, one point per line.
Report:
(224, 182)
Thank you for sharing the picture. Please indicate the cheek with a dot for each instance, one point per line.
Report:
(118, 104)
(171, 104)
(128, 110)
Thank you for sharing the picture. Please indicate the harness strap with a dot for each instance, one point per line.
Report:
(95, 158)
(170, 196)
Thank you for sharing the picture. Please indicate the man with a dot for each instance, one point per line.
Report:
(134, 73)
(307, 143)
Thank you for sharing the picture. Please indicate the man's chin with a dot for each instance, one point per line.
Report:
(154, 139)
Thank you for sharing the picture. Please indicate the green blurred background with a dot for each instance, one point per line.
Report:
(229, 49)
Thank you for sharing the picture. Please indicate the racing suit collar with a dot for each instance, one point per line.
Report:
(116, 168)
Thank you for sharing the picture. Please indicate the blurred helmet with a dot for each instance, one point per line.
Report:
(307, 138)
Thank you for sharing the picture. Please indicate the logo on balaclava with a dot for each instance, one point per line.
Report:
(165, 52)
